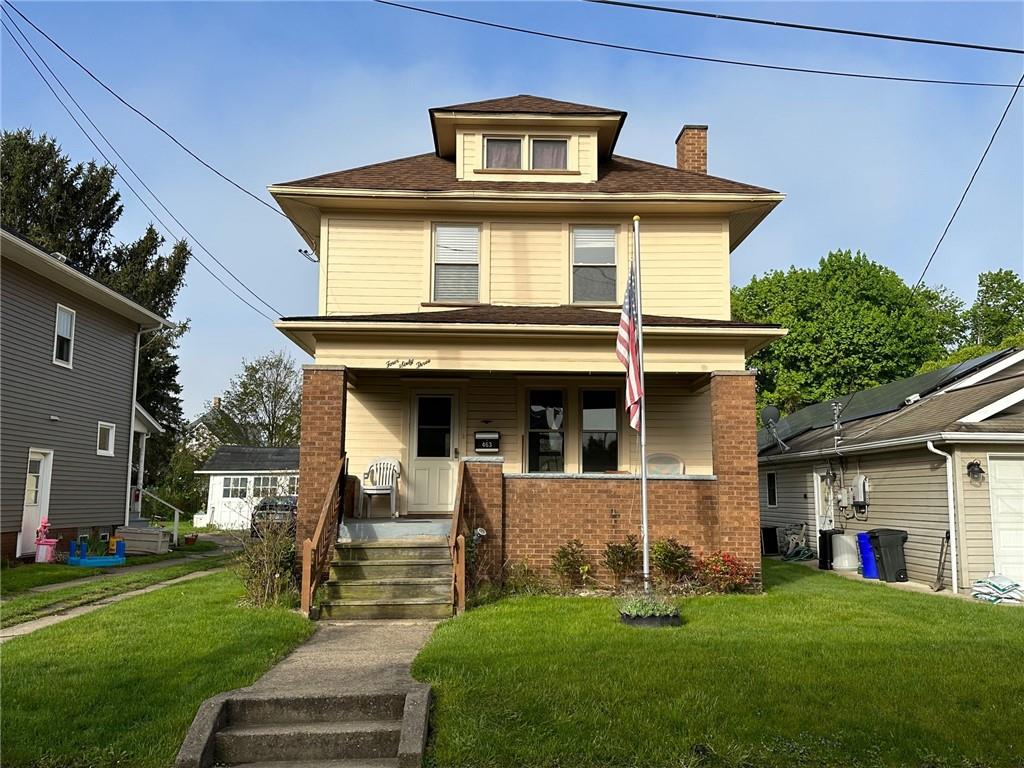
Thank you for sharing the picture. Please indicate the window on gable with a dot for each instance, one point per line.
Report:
(503, 153)
(456, 262)
(549, 154)
(105, 439)
(236, 487)
(64, 336)
(593, 264)
(772, 489)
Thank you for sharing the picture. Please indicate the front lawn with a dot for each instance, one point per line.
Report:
(819, 671)
(120, 686)
(21, 577)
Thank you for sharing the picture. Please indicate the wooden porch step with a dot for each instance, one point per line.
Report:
(388, 588)
(418, 548)
(385, 569)
(391, 608)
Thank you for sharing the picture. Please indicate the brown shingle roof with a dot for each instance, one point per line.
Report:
(618, 175)
(526, 103)
(519, 315)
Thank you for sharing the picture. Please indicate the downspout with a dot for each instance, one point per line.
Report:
(951, 505)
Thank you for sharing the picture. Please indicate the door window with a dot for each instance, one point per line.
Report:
(35, 471)
(546, 430)
(434, 427)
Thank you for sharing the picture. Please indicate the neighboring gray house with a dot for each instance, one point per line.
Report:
(69, 356)
(239, 476)
(939, 447)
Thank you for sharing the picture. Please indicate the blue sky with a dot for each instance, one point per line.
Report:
(271, 92)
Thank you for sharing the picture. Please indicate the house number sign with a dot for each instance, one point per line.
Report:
(486, 442)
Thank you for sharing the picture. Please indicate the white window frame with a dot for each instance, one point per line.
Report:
(109, 450)
(523, 144)
(563, 139)
(291, 485)
(434, 262)
(769, 487)
(69, 363)
(228, 489)
(614, 229)
(259, 485)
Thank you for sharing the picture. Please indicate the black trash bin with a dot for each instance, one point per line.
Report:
(825, 548)
(887, 544)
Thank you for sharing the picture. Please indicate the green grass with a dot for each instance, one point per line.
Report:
(119, 687)
(819, 671)
(24, 608)
(186, 527)
(22, 577)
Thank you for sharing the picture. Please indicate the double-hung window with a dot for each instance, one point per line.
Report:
(600, 431)
(64, 336)
(593, 264)
(546, 428)
(236, 487)
(457, 262)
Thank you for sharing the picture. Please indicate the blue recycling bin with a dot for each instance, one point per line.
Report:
(869, 569)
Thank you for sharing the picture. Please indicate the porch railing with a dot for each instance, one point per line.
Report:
(316, 552)
(457, 542)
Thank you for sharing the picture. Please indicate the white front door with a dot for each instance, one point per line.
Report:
(1006, 495)
(434, 453)
(37, 496)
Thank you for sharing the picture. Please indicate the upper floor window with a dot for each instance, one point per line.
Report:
(64, 336)
(456, 262)
(549, 154)
(593, 264)
(104, 439)
(236, 487)
(503, 153)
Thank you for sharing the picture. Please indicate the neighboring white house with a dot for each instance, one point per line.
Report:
(241, 475)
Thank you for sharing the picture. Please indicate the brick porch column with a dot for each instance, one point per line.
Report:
(322, 441)
(484, 505)
(734, 454)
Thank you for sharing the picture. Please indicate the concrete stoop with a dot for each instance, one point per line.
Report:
(382, 730)
(406, 578)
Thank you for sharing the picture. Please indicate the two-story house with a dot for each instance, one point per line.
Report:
(468, 305)
(69, 351)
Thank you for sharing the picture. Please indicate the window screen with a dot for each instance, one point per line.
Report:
(456, 263)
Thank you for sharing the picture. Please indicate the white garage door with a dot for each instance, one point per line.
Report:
(1006, 490)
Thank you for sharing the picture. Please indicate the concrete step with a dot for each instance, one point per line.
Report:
(386, 589)
(394, 608)
(315, 709)
(391, 569)
(308, 741)
(370, 762)
(420, 548)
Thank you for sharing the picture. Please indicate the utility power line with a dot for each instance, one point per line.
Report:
(150, 120)
(131, 170)
(970, 183)
(808, 27)
(689, 57)
(96, 146)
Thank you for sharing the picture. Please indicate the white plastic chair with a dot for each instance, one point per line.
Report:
(381, 479)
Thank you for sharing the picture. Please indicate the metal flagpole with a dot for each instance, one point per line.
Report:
(643, 406)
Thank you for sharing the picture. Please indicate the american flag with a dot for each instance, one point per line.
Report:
(627, 349)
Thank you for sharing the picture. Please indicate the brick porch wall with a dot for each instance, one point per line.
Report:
(483, 499)
(323, 442)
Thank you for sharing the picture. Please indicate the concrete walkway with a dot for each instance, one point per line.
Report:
(348, 657)
(122, 570)
(905, 586)
(25, 628)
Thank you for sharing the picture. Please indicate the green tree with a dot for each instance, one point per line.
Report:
(971, 351)
(262, 404)
(72, 209)
(998, 309)
(852, 324)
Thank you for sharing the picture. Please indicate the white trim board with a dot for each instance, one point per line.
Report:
(992, 409)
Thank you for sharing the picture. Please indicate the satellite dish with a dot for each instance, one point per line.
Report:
(770, 414)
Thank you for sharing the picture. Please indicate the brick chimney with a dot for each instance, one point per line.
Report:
(692, 149)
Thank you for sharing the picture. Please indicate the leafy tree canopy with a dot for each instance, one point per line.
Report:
(971, 351)
(262, 405)
(852, 323)
(72, 209)
(998, 309)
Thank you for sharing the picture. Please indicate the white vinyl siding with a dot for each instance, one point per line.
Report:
(456, 263)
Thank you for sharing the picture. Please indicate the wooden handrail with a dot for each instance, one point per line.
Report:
(457, 543)
(317, 550)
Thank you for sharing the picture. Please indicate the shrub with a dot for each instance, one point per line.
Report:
(623, 560)
(672, 560)
(266, 566)
(570, 564)
(648, 605)
(722, 572)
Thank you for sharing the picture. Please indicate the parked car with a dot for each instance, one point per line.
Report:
(274, 510)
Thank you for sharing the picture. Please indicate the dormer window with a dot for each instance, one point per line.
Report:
(549, 154)
(504, 153)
